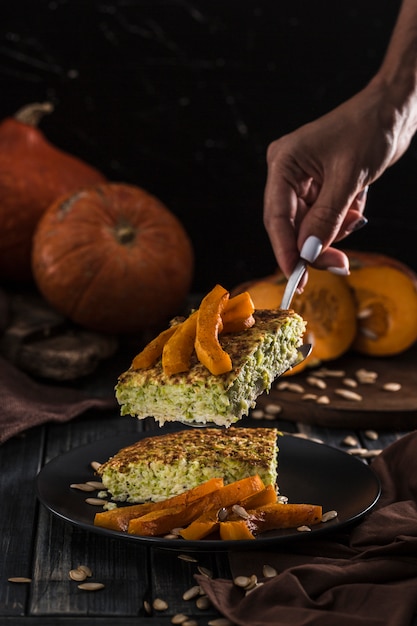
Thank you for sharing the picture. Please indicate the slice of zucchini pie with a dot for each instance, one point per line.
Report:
(156, 468)
(259, 355)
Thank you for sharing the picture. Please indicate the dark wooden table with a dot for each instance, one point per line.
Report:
(44, 548)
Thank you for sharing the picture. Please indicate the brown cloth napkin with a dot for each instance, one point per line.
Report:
(26, 403)
(365, 576)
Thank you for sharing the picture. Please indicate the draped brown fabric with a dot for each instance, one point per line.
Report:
(364, 576)
(25, 403)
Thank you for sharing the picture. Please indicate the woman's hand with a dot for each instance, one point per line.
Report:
(318, 175)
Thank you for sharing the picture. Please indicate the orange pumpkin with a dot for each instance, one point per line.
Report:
(33, 173)
(385, 291)
(113, 258)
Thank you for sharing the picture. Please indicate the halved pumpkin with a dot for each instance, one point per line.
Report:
(385, 291)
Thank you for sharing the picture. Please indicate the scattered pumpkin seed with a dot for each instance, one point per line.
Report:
(159, 604)
(309, 396)
(371, 434)
(203, 603)
(86, 569)
(391, 387)
(248, 591)
(293, 387)
(187, 557)
(179, 618)
(323, 400)
(273, 409)
(257, 414)
(95, 483)
(304, 529)
(253, 581)
(95, 465)
(358, 451)
(240, 511)
(269, 571)
(82, 487)
(370, 454)
(242, 581)
(147, 607)
(19, 579)
(316, 382)
(350, 382)
(348, 394)
(91, 586)
(95, 501)
(191, 593)
(323, 372)
(190, 622)
(220, 621)
(350, 440)
(205, 571)
(282, 385)
(329, 515)
(366, 376)
(77, 574)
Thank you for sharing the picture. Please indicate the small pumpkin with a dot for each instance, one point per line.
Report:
(327, 304)
(33, 173)
(113, 258)
(385, 290)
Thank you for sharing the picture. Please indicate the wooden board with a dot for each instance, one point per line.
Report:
(377, 409)
(42, 342)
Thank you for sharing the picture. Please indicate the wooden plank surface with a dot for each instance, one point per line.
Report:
(39, 545)
(20, 460)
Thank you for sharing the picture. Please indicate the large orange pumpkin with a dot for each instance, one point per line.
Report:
(33, 174)
(113, 258)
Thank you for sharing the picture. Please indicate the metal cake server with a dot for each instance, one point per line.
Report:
(292, 284)
(309, 253)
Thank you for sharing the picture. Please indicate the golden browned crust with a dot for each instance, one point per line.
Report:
(251, 446)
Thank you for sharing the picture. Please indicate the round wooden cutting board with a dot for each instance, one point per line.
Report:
(377, 408)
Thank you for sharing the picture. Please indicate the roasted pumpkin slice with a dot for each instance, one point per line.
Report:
(209, 325)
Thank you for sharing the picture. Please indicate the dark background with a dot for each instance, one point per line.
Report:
(182, 97)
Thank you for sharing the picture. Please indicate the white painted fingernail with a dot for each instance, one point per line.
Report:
(362, 194)
(340, 271)
(311, 249)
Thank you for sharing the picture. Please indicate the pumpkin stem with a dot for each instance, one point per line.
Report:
(31, 114)
(125, 233)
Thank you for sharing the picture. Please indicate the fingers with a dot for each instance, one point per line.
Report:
(334, 261)
(280, 214)
(354, 221)
(355, 218)
(333, 221)
(297, 206)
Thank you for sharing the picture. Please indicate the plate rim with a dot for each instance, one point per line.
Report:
(214, 545)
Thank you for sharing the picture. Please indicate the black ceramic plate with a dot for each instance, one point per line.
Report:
(309, 472)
